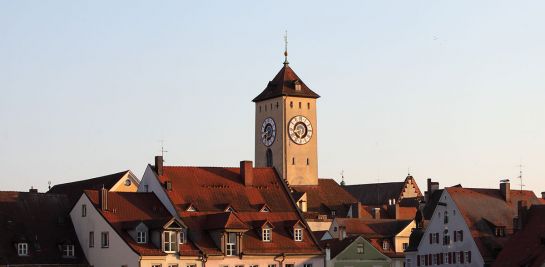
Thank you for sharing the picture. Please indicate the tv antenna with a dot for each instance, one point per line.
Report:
(520, 176)
(163, 151)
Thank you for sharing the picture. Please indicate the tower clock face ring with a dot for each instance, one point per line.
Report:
(268, 132)
(300, 130)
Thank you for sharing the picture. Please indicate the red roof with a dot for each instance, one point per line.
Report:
(210, 189)
(483, 209)
(283, 84)
(42, 221)
(127, 209)
(526, 247)
(326, 197)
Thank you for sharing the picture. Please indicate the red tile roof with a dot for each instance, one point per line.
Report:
(526, 247)
(483, 207)
(337, 246)
(283, 84)
(325, 197)
(127, 209)
(209, 189)
(74, 189)
(371, 228)
(42, 221)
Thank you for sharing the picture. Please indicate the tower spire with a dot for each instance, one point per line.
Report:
(286, 49)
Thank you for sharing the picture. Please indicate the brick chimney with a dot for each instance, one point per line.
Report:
(505, 190)
(522, 212)
(247, 172)
(159, 165)
(543, 195)
(103, 198)
(342, 232)
(33, 190)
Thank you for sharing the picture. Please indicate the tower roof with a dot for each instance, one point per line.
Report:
(284, 84)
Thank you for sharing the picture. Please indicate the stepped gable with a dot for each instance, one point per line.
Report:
(42, 221)
(484, 209)
(210, 190)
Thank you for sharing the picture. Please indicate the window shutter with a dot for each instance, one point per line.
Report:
(430, 260)
(469, 256)
(454, 257)
(450, 258)
(461, 235)
(437, 238)
(441, 258)
(417, 260)
(455, 236)
(431, 238)
(426, 260)
(461, 256)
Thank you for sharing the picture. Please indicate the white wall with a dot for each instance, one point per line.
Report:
(456, 222)
(156, 187)
(117, 254)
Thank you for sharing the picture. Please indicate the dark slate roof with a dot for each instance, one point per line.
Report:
(430, 205)
(283, 84)
(337, 246)
(210, 189)
(325, 197)
(41, 220)
(379, 193)
(526, 247)
(74, 190)
(484, 208)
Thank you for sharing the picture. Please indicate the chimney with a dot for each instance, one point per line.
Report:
(543, 195)
(342, 232)
(356, 207)
(103, 198)
(247, 172)
(327, 255)
(505, 190)
(522, 212)
(33, 190)
(159, 165)
(376, 213)
(396, 211)
(168, 185)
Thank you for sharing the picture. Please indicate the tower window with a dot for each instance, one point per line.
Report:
(271, 106)
(293, 161)
(277, 104)
(308, 161)
(299, 104)
(259, 108)
(308, 105)
(269, 157)
(265, 107)
(291, 104)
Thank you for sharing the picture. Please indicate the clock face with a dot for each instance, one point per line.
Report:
(300, 130)
(268, 132)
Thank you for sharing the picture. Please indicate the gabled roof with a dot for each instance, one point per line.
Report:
(325, 197)
(283, 84)
(41, 220)
(526, 247)
(480, 206)
(74, 189)
(380, 193)
(337, 246)
(128, 209)
(212, 188)
(371, 228)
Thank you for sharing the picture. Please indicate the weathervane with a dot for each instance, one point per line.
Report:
(286, 49)
(342, 178)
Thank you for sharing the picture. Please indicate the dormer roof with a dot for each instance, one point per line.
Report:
(283, 84)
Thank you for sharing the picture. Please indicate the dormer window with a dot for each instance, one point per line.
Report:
(265, 208)
(500, 231)
(266, 234)
(169, 241)
(231, 244)
(298, 234)
(229, 209)
(297, 85)
(22, 249)
(141, 237)
(191, 208)
(68, 250)
(182, 237)
(385, 245)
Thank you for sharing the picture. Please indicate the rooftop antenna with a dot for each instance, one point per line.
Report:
(48, 185)
(286, 49)
(163, 151)
(342, 178)
(520, 176)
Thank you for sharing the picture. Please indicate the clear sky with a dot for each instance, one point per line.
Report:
(453, 90)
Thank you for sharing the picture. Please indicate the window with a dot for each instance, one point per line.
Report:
(290, 265)
(405, 246)
(191, 265)
(335, 229)
(437, 238)
(91, 239)
(231, 247)
(299, 104)
(141, 237)
(83, 210)
(269, 157)
(457, 257)
(333, 213)
(385, 245)
(293, 161)
(291, 104)
(266, 234)
(271, 265)
(182, 237)
(239, 265)
(360, 248)
(445, 220)
(467, 255)
(128, 182)
(156, 265)
(172, 265)
(308, 161)
(298, 234)
(22, 249)
(435, 259)
(500, 231)
(308, 105)
(259, 108)
(169, 241)
(105, 239)
(68, 250)
(146, 188)
(307, 265)
(254, 265)
(408, 263)
(446, 238)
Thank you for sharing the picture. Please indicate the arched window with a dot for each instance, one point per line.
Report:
(269, 157)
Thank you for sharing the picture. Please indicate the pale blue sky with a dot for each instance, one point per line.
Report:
(453, 90)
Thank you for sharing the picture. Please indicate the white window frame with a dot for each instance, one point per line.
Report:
(83, 210)
(91, 239)
(307, 265)
(141, 237)
(385, 245)
(68, 250)
(104, 239)
(22, 249)
(181, 237)
(173, 265)
(266, 234)
(231, 246)
(360, 248)
(169, 244)
(298, 234)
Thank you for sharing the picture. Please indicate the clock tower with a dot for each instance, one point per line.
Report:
(286, 128)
